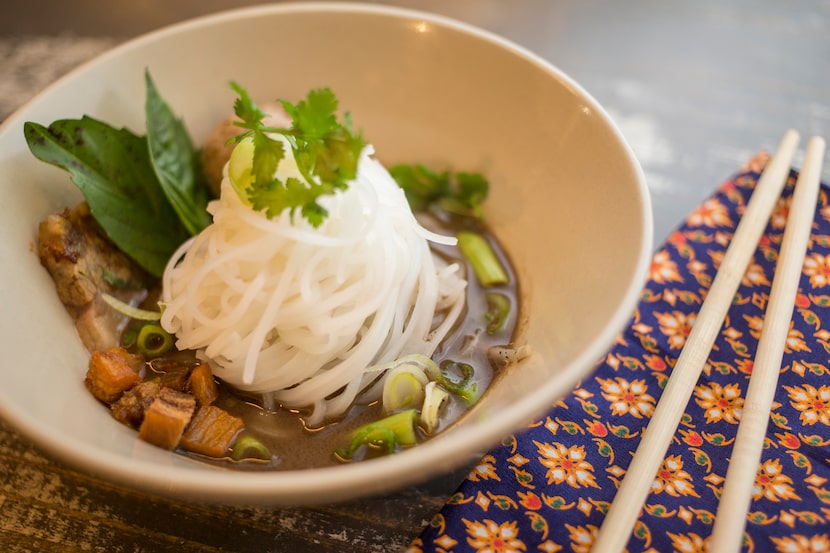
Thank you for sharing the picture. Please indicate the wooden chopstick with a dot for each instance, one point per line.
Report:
(736, 495)
(619, 522)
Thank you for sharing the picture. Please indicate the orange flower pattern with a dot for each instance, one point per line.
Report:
(548, 487)
(566, 464)
(719, 402)
(494, 538)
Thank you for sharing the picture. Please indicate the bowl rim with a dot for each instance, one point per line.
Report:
(333, 484)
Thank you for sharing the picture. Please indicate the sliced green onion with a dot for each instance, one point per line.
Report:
(463, 387)
(403, 387)
(153, 340)
(249, 448)
(129, 310)
(434, 399)
(477, 250)
(498, 307)
(387, 433)
(465, 369)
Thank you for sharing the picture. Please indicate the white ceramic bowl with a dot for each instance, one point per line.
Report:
(568, 201)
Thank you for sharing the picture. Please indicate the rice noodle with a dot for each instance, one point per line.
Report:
(297, 313)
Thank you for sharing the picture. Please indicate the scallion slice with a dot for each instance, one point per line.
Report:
(434, 399)
(403, 388)
(477, 250)
(248, 448)
(153, 340)
(129, 310)
(498, 307)
(387, 433)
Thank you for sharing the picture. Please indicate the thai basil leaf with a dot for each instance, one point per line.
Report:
(176, 162)
(113, 170)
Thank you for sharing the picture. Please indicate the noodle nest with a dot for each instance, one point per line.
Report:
(299, 315)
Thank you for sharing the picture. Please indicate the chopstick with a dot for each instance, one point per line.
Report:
(624, 510)
(736, 495)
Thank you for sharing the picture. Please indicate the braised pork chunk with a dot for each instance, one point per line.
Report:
(85, 264)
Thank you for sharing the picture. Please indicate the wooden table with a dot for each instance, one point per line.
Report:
(696, 88)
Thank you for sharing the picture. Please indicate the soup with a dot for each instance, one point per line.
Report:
(339, 324)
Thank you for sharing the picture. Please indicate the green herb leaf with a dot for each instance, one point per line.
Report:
(471, 191)
(314, 117)
(326, 152)
(112, 169)
(175, 161)
(460, 193)
(274, 196)
(421, 185)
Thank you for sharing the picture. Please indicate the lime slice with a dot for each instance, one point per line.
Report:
(240, 167)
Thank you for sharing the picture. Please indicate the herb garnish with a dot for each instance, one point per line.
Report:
(460, 193)
(148, 192)
(176, 162)
(135, 195)
(326, 152)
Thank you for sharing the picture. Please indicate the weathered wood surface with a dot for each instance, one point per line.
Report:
(46, 506)
(696, 88)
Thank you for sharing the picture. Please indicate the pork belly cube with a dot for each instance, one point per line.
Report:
(166, 418)
(211, 432)
(110, 373)
(172, 372)
(130, 407)
(202, 385)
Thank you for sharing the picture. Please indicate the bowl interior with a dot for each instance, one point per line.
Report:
(568, 201)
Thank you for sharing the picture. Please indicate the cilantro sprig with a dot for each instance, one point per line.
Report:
(461, 193)
(325, 150)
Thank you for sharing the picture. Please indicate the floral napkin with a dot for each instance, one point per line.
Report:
(548, 487)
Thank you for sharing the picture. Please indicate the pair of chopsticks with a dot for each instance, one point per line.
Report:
(736, 495)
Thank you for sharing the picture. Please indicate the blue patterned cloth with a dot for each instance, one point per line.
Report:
(547, 488)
